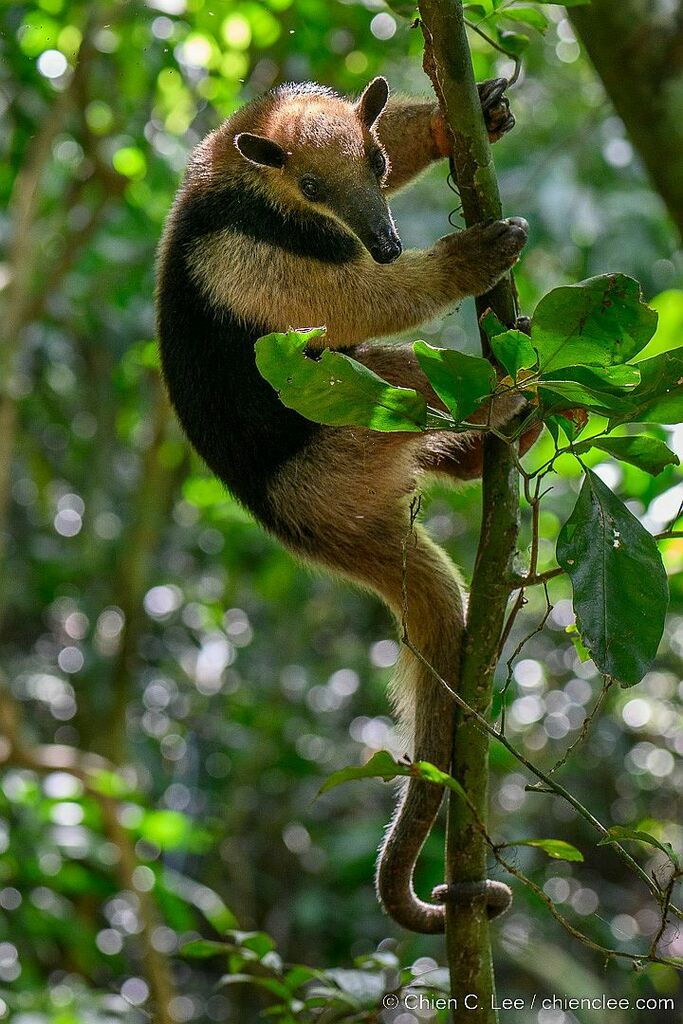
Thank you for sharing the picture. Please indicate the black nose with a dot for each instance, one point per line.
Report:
(386, 250)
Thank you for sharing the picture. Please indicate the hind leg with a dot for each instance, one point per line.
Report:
(458, 456)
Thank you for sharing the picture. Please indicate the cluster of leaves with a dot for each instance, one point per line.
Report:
(297, 994)
(578, 356)
(506, 19)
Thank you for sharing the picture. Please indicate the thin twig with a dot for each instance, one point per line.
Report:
(587, 722)
(635, 958)
(515, 654)
(552, 786)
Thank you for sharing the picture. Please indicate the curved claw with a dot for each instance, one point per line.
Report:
(496, 107)
(491, 92)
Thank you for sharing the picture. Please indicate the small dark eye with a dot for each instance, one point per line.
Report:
(378, 162)
(310, 187)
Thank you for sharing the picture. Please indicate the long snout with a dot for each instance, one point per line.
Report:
(367, 214)
(385, 247)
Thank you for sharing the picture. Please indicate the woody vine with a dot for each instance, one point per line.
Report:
(577, 366)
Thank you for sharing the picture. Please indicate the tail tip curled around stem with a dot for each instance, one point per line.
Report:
(498, 895)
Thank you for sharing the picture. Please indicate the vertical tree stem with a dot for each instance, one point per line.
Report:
(449, 65)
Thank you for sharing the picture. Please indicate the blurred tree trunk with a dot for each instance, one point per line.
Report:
(636, 47)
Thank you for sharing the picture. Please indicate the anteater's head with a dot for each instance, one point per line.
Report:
(318, 152)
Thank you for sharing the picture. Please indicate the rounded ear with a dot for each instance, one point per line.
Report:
(259, 150)
(373, 101)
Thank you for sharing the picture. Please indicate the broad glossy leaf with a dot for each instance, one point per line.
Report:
(555, 848)
(567, 3)
(659, 396)
(669, 333)
(595, 387)
(460, 381)
(647, 453)
(334, 389)
(514, 351)
(619, 833)
(620, 586)
(600, 321)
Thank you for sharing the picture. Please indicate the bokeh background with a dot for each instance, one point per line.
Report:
(146, 620)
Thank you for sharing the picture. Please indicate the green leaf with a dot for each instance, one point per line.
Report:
(430, 773)
(600, 321)
(527, 16)
(478, 9)
(383, 766)
(271, 985)
(573, 633)
(513, 43)
(490, 323)
(659, 396)
(555, 848)
(259, 943)
(669, 333)
(594, 387)
(333, 389)
(172, 830)
(567, 3)
(201, 949)
(514, 352)
(404, 8)
(462, 382)
(380, 766)
(619, 833)
(620, 586)
(647, 453)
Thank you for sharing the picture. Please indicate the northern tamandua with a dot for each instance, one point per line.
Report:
(282, 222)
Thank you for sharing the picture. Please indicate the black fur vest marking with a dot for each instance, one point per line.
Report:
(231, 415)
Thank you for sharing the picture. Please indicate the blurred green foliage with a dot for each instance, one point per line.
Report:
(147, 620)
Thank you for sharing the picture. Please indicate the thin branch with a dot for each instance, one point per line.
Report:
(635, 958)
(517, 651)
(587, 722)
(551, 786)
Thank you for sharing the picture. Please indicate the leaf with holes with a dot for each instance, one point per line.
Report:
(331, 388)
(620, 586)
(601, 321)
